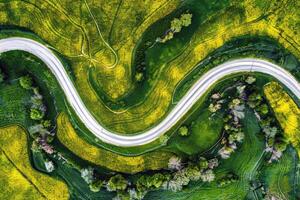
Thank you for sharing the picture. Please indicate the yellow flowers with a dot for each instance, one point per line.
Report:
(286, 112)
(149, 161)
(19, 178)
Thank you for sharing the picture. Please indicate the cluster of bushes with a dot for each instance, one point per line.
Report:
(176, 25)
(247, 94)
(40, 131)
(178, 175)
(232, 130)
(275, 142)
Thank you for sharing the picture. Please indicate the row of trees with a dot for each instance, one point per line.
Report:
(275, 142)
(40, 131)
(234, 108)
(178, 175)
(176, 25)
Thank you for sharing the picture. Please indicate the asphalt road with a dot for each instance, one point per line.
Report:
(181, 108)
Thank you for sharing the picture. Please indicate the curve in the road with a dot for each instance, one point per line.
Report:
(182, 107)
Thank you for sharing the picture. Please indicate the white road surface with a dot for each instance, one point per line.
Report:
(182, 107)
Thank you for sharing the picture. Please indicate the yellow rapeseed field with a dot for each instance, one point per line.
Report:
(149, 161)
(13, 184)
(71, 29)
(19, 176)
(286, 112)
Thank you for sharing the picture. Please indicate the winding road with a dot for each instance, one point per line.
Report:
(182, 107)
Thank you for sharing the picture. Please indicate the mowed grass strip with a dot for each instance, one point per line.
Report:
(149, 161)
(21, 178)
(286, 112)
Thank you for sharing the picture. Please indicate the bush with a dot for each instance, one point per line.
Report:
(183, 131)
(150, 182)
(26, 82)
(96, 186)
(87, 174)
(46, 123)
(139, 76)
(36, 114)
(117, 182)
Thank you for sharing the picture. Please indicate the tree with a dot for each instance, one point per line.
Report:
(213, 163)
(250, 80)
(26, 82)
(238, 111)
(145, 182)
(214, 107)
(49, 166)
(270, 131)
(186, 19)
(96, 186)
(192, 172)
(173, 185)
(176, 25)
(203, 163)
(117, 182)
(183, 131)
(263, 109)
(139, 76)
(225, 152)
(35, 147)
(175, 163)
(207, 176)
(46, 123)
(87, 174)
(36, 114)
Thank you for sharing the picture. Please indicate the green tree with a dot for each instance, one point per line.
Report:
(96, 186)
(26, 82)
(139, 76)
(176, 25)
(36, 114)
(183, 131)
(46, 123)
(87, 174)
(117, 182)
(203, 163)
(186, 19)
(263, 109)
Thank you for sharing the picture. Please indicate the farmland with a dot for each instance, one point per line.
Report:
(286, 112)
(149, 161)
(131, 64)
(95, 66)
(14, 154)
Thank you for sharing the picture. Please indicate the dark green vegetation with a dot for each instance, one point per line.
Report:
(201, 136)
(148, 78)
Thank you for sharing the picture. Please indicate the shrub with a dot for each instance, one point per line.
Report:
(96, 186)
(87, 174)
(49, 166)
(175, 163)
(117, 182)
(26, 82)
(36, 114)
(183, 131)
